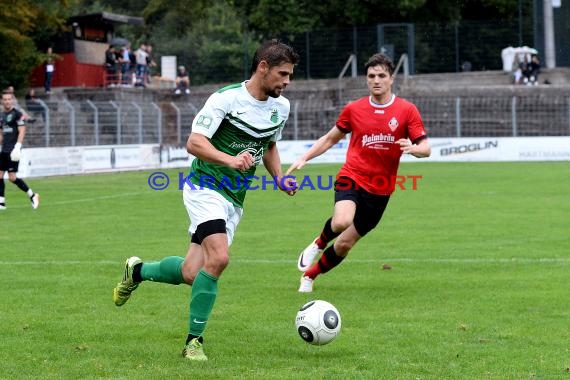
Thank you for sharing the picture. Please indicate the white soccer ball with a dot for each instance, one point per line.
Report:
(318, 322)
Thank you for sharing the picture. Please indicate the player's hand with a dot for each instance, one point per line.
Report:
(243, 161)
(296, 166)
(16, 152)
(405, 145)
(288, 184)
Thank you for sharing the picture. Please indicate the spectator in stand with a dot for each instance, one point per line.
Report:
(182, 81)
(528, 68)
(50, 68)
(519, 68)
(111, 66)
(533, 69)
(141, 56)
(133, 65)
(34, 106)
(149, 63)
(125, 61)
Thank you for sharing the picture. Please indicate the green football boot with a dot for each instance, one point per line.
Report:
(194, 351)
(123, 290)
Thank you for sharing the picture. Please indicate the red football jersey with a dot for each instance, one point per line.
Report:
(373, 157)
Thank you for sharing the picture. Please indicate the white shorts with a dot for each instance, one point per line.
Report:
(206, 204)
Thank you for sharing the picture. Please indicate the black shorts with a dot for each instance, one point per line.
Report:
(369, 207)
(6, 163)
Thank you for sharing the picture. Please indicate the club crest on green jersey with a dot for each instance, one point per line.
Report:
(274, 115)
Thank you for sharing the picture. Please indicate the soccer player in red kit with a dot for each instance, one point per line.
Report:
(382, 127)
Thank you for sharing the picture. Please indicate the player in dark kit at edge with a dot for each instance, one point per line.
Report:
(12, 137)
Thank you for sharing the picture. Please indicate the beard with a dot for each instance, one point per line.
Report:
(274, 93)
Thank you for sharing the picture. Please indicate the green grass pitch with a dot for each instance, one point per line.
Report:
(479, 285)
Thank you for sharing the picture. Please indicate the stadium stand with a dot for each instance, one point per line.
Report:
(453, 105)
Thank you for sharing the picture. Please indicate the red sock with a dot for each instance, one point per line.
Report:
(327, 261)
(315, 270)
(321, 242)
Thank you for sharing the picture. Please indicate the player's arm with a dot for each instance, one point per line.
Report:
(21, 134)
(419, 149)
(201, 147)
(418, 146)
(272, 163)
(17, 151)
(323, 144)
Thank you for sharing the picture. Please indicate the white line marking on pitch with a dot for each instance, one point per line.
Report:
(44, 203)
(237, 260)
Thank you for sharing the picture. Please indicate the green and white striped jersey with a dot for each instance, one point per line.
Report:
(236, 122)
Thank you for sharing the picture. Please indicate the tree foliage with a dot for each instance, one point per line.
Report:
(212, 34)
(25, 27)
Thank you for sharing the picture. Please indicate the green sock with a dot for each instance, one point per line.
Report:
(204, 292)
(168, 270)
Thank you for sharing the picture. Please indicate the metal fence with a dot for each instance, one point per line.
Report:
(72, 123)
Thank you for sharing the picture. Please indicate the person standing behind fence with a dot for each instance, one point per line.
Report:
(49, 70)
(125, 61)
(150, 63)
(533, 69)
(110, 66)
(141, 67)
(34, 106)
(182, 81)
(13, 132)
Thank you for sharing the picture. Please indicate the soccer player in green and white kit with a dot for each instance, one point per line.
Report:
(235, 130)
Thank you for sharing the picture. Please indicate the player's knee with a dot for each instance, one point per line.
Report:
(217, 262)
(340, 224)
(342, 246)
(222, 261)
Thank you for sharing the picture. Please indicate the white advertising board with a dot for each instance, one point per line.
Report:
(174, 157)
(168, 67)
(482, 149)
(38, 162)
(476, 149)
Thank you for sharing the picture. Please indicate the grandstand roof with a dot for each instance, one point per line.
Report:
(106, 18)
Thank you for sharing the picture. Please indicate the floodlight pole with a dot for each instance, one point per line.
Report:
(549, 51)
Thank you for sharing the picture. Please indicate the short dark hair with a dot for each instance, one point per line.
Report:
(274, 53)
(380, 59)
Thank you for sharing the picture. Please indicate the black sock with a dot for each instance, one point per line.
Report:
(327, 235)
(137, 273)
(21, 184)
(329, 260)
(190, 337)
(328, 231)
